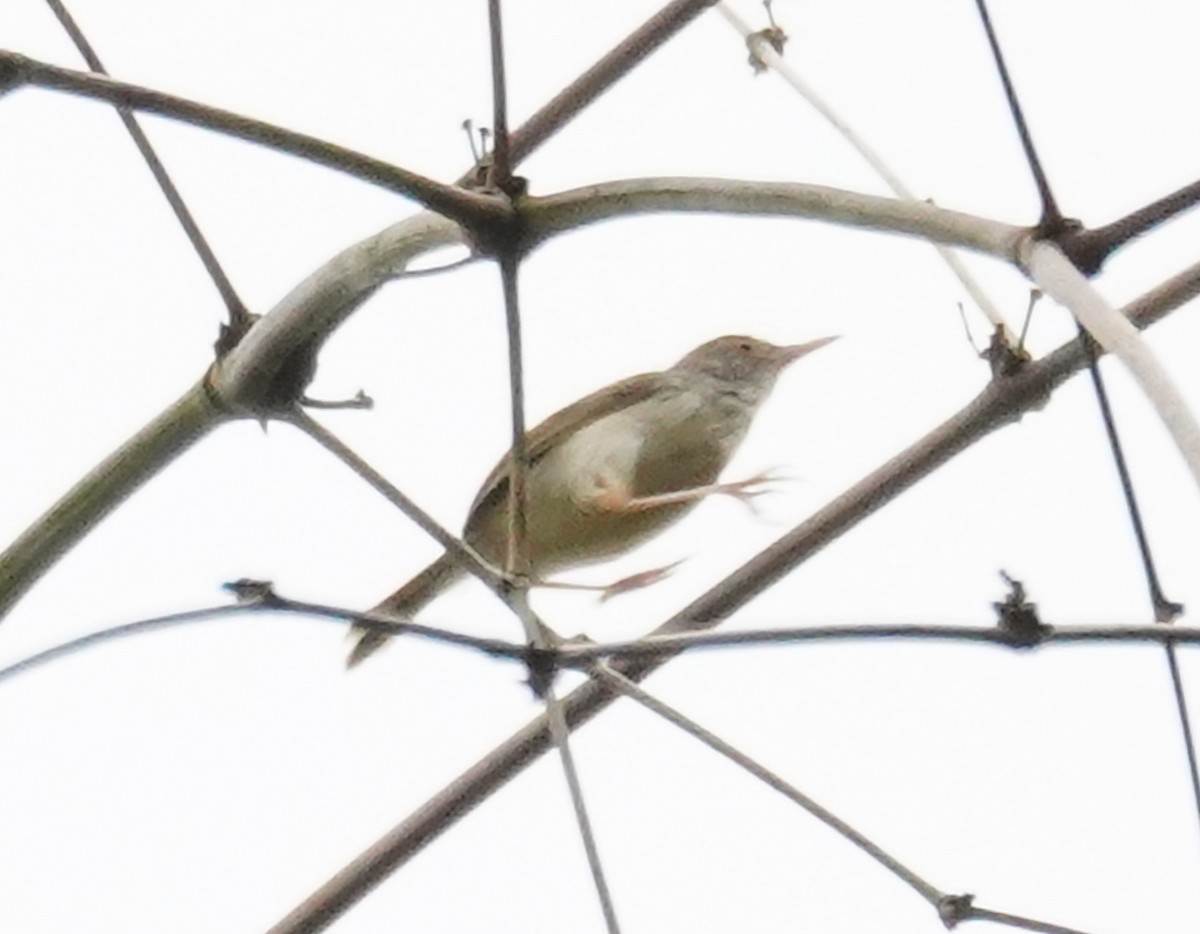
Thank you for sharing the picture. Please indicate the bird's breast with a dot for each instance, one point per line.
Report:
(678, 439)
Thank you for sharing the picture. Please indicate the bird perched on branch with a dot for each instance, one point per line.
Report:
(615, 468)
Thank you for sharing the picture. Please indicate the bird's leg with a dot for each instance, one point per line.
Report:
(624, 585)
(611, 499)
(638, 581)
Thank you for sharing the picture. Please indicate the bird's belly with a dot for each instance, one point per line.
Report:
(567, 521)
(568, 536)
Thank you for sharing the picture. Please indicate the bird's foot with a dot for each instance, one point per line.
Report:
(624, 585)
(746, 491)
(638, 581)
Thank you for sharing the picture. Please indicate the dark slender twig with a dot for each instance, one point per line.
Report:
(501, 169)
(496, 648)
(1000, 404)
(239, 316)
(517, 564)
(561, 734)
(1185, 720)
(630, 689)
(518, 567)
(642, 650)
(1052, 220)
(452, 543)
(508, 254)
(657, 647)
(1165, 611)
(116, 633)
(471, 209)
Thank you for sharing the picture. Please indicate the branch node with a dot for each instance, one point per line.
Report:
(1167, 611)
(12, 71)
(542, 663)
(773, 35)
(230, 333)
(1003, 358)
(1017, 618)
(953, 909)
(1086, 249)
(252, 592)
(508, 235)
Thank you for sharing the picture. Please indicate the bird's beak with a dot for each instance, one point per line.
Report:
(794, 352)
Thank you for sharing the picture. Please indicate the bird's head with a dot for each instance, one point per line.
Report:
(745, 365)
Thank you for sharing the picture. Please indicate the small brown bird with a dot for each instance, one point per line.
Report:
(618, 466)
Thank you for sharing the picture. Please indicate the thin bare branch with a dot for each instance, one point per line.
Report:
(1185, 722)
(630, 689)
(508, 255)
(975, 913)
(495, 648)
(116, 633)
(518, 563)
(560, 734)
(239, 316)
(664, 646)
(1052, 219)
(650, 648)
(461, 552)
(501, 169)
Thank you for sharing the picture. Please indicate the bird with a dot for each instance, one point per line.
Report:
(614, 468)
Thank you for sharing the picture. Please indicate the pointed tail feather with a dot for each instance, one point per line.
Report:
(405, 603)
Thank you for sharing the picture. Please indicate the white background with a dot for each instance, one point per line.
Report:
(208, 778)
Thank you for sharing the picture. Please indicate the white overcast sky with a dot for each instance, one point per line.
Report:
(208, 778)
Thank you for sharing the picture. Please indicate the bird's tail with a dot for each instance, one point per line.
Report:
(405, 603)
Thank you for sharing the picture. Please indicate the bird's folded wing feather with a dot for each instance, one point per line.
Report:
(554, 430)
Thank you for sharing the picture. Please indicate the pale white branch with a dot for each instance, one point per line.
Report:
(1057, 277)
(568, 210)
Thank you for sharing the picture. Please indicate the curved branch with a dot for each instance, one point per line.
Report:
(308, 315)
(471, 209)
(543, 217)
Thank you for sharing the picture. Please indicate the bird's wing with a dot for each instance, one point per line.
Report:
(548, 434)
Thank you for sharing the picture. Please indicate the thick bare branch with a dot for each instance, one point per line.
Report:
(104, 488)
(1001, 403)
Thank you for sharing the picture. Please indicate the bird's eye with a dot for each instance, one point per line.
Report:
(744, 345)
